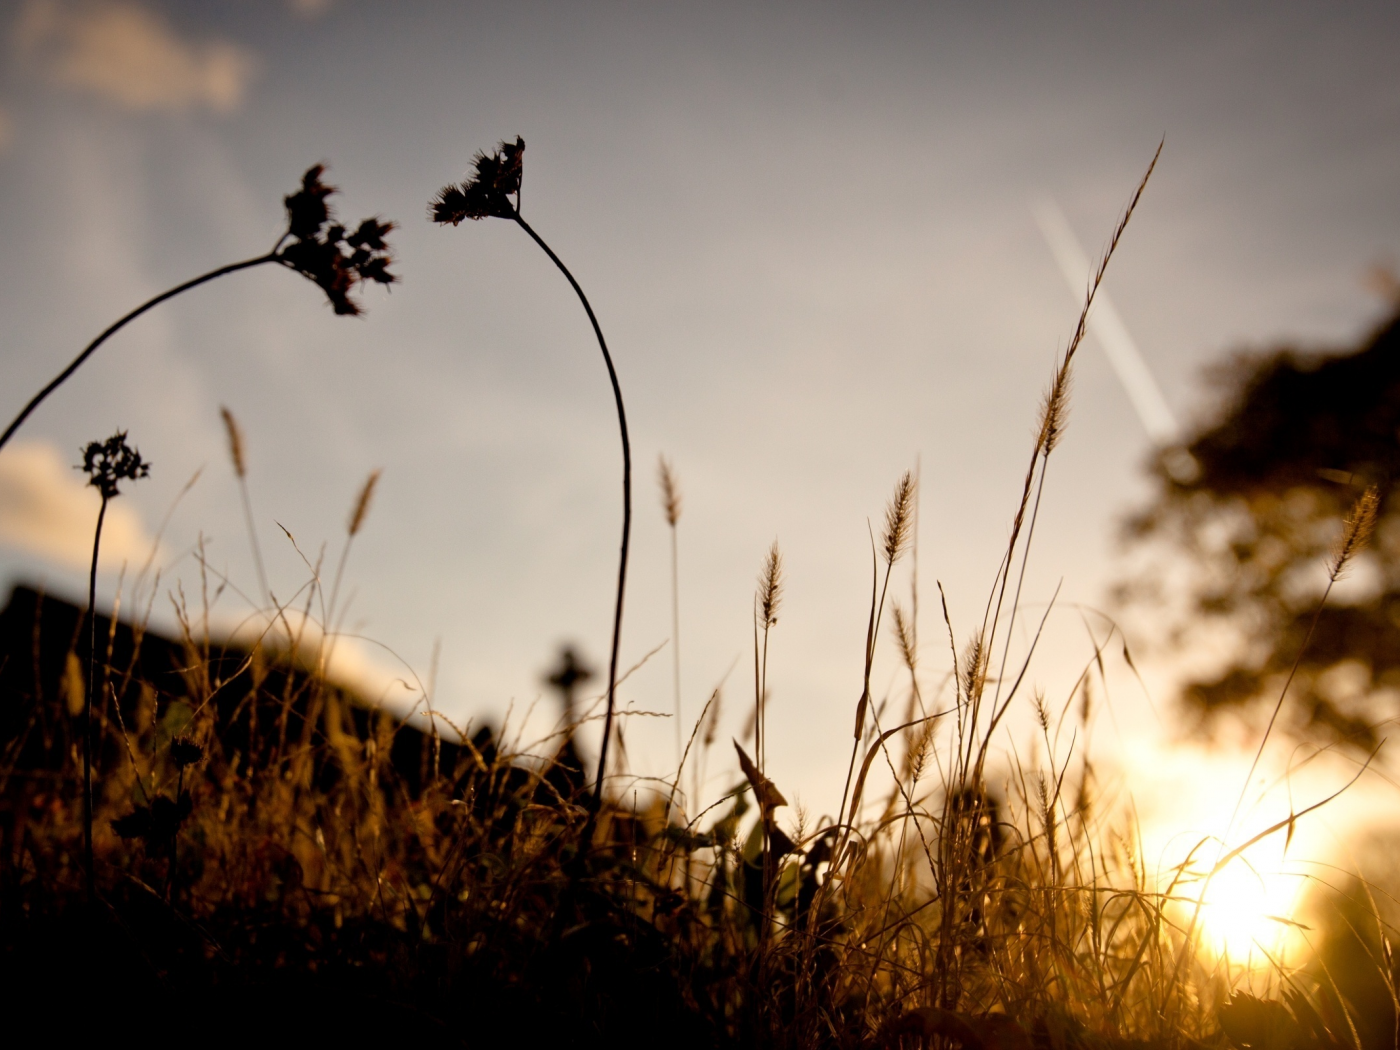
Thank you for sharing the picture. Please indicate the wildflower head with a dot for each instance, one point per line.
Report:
(107, 463)
(185, 753)
(495, 178)
(324, 251)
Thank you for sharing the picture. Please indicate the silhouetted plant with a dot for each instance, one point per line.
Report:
(671, 506)
(495, 179)
(313, 245)
(107, 464)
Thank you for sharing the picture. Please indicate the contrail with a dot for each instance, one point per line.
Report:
(1107, 325)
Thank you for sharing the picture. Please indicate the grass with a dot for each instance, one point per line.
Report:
(274, 859)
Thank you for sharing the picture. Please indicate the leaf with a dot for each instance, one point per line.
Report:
(767, 793)
(135, 825)
(158, 822)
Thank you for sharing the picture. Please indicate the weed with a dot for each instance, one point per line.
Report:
(313, 245)
(497, 178)
(107, 464)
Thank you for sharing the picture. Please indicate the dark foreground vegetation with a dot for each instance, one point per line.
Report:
(277, 860)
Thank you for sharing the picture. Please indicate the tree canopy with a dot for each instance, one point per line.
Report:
(1238, 536)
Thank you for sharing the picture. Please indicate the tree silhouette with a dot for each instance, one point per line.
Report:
(1300, 435)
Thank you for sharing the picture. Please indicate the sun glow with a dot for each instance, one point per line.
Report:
(1247, 914)
(1255, 908)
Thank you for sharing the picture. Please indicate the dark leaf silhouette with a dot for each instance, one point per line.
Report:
(767, 793)
(158, 822)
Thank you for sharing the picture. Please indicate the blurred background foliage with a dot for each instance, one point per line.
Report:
(1235, 541)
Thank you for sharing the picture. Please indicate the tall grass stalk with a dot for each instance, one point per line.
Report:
(671, 507)
(236, 452)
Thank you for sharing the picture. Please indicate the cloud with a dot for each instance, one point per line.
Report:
(48, 510)
(131, 56)
(310, 9)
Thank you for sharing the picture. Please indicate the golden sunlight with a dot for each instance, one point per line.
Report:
(1247, 914)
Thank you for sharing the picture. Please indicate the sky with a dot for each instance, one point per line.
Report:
(808, 232)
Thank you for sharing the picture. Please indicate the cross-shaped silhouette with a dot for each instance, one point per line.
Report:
(565, 773)
(569, 673)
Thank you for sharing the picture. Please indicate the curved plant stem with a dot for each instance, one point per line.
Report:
(676, 643)
(87, 704)
(626, 522)
(59, 379)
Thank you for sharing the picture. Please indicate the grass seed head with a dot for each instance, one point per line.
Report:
(904, 636)
(1357, 532)
(974, 672)
(712, 723)
(770, 586)
(1042, 711)
(235, 442)
(1054, 411)
(670, 491)
(898, 516)
(361, 510)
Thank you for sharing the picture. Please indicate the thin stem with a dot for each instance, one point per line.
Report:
(676, 637)
(1020, 580)
(116, 326)
(266, 592)
(1278, 706)
(87, 704)
(626, 519)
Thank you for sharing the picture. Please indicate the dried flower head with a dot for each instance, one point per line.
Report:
(326, 252)
(185, 753)
(495, 178)
(106, 463)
